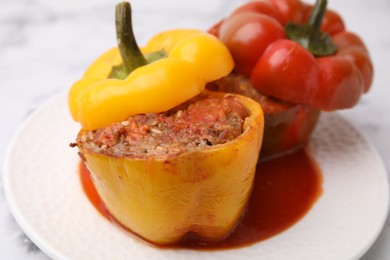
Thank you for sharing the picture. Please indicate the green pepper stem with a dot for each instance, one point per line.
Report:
(309, 35)
(131, 54)
(316, 17)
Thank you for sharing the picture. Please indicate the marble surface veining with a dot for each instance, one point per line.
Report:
(46, 45)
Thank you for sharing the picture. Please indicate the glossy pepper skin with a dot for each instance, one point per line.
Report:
(287, 126)
(255, 34)
(193, 58)
(203, 191)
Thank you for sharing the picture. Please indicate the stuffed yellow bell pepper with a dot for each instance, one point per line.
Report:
(164, 195)
(167, 158)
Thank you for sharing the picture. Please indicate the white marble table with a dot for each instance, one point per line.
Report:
(46, 45)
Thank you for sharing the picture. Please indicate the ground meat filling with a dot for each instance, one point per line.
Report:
(202, 121)
(238, 84)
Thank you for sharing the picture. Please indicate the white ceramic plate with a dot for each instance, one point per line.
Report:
(42, 186)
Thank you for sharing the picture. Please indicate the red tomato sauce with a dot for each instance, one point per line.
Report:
(285, 189)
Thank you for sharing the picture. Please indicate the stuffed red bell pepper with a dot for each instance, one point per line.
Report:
(298, 53)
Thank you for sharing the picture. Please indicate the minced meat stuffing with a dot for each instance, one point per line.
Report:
(205, 120)
(238, 84)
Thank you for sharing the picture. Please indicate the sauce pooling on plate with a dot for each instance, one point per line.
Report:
(285, 189)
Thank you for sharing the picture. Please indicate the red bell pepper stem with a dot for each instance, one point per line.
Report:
(316, 17)
(309, 35)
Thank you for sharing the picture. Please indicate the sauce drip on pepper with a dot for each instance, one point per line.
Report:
(285, 189)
